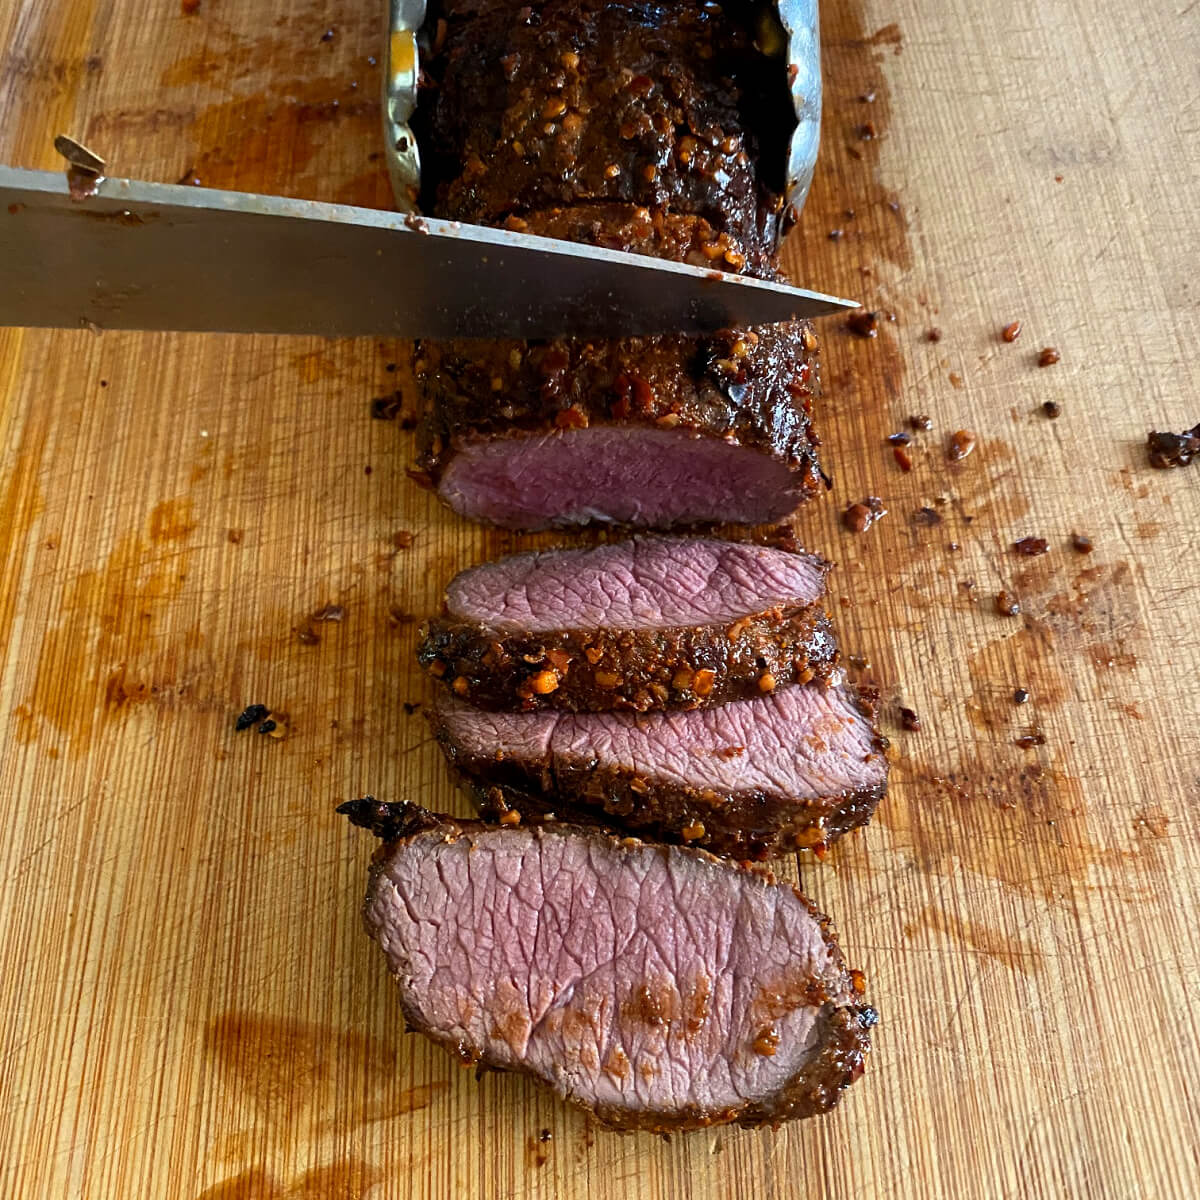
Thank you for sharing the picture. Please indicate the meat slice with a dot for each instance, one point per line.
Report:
(750, 779)
(650, 432)
(654, 986)
(648, 623)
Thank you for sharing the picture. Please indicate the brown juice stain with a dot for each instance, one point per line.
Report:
(1096, 620)
(171, 520)
(49, 57)
(1016, 817)
(1151, 822)
(346, 1179)
(112, 646)
(995, 814)
(1099, 617)
(847, 175)
(888, 35)
(290, 1067)
(1026, 659)
(1035, 578)
(315, 366)
(1014, 953)
(537, 1149)
(254, 1184)
(20, 506)
(985, 488)
(313, 131)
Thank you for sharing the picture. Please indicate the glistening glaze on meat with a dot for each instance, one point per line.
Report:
(648, 623)
(750, 778)
(564, 102)
(657, 987)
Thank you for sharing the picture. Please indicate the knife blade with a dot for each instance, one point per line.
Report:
(156, 256)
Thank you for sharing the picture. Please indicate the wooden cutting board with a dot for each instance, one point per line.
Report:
(188, 1007)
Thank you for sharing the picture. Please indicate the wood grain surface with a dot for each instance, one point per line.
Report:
(188, 1007)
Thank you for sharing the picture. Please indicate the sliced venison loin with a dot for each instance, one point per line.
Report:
(651, 432)
(647, 623)
(751, 778)
(659, 130)
(656, 987)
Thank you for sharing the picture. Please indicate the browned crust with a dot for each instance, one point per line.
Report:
(843, 1039)
(658, 232)
(570, 101)
(602, 670)
(745, 825)
(753, 388)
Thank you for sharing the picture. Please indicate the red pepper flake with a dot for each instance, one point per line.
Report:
(858, 518)
(921, 423)
(1081, 543)
(909, 720)
(1011, 332)
(961, 443)
(1007, 605)
(571, 418)
(1031, 547)
(903, 459)
(766, 1042)
(1027, 741)
(863, 323)
(643, 394)
(544, 682)
(1048, 357)
(933, 334)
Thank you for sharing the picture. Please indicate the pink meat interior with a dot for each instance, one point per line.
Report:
(800, 742)
(623, 474)
(642, 583)
(644, 978)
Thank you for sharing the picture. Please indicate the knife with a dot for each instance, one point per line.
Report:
(156, 256)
